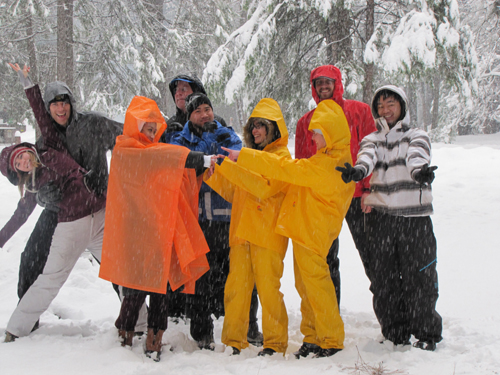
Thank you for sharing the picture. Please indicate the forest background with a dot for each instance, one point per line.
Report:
(445, 53)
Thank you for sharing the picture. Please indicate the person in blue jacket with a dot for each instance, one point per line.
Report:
(203, 133)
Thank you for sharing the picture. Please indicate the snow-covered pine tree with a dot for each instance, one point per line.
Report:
(423, 47)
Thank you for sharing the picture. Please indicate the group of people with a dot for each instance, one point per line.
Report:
(200, 221)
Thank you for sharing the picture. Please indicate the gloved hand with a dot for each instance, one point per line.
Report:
(49, 196)
(350, 173)
(174, 127)
(425, 175)
(93, 183)
(210, 126)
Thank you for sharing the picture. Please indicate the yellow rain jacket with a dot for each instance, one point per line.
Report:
(256, 200)
(151, 236)
(317, 199)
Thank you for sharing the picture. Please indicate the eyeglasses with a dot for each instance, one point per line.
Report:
(258, 125)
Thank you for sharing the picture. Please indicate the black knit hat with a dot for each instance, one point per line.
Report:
(194, 100)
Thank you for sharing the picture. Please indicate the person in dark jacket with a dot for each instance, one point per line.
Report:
(85, 137)
(203, 133)
(181, 87)
(31, 169)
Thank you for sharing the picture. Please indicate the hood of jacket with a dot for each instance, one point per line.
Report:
(332, 72)
(268, 109)
(330, 119)
(380, 121)
(196, 86)
(139, 111)
(53, 89)
(5, 159)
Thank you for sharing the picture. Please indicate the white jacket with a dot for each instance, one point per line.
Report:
(393, 156)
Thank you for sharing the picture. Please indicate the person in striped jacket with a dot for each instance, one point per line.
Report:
(403, 250)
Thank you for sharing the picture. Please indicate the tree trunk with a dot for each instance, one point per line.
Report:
(337, 34)
(30, 41)
(435, 102)
(65, 60)
(369, 68)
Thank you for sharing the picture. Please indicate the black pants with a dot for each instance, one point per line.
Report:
(209, 297)
(358, 224)
(404, 283)
(131, 306)
(36, 251)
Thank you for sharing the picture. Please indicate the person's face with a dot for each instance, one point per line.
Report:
(149, 130)
(60, 112)
(324, 88)
(23, 162)
(390, 109)
(181, 93)
(319, 140)
(259, 132)
(201, 115)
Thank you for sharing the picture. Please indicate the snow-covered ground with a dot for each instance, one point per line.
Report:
(77, 335)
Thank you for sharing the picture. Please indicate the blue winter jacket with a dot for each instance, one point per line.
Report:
(212, 205)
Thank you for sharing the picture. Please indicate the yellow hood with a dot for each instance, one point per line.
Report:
(330, 119)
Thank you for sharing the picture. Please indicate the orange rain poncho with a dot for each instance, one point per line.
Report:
(151, 233)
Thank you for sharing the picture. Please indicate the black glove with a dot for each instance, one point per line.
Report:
(48, 196)
(174, 127)
(350, 173)
(93, 183)
(210, 126)
(425, 175)
(222, 137)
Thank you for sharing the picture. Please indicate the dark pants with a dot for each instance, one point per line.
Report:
(131, 305)
(358, 224)
(36, 251)
(209, 296)
(404, 282)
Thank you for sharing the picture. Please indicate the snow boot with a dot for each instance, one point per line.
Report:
(126, 337)
(306, 349)
(9, 337)
(266, 352)
(326, 352)
(254, 336)
(153, 344)
(425, 345)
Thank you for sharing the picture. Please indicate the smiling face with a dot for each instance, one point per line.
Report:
(390, 109)
(201, 115)
(60, 112)
(259, 132)
(324, 87)
(182, 91)
(24, 162)
(149, 130)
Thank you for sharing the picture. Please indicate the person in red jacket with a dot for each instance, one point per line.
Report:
(326, 83)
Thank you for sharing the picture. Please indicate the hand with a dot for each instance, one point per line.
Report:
(48, 196)
(366, 209)
(233, 154)
(25, 71)
(213, 161)
(350, 173)
(425, 175)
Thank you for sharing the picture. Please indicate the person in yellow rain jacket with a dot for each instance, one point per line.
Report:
(257, 252)
(151, 234)
(311, 216)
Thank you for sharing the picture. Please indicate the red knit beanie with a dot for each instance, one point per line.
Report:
(16, 152)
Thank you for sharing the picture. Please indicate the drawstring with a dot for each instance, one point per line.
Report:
(434, 261)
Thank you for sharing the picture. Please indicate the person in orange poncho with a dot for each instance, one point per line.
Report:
(151, 235)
